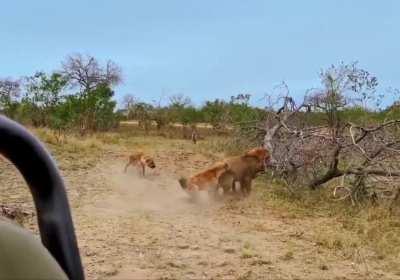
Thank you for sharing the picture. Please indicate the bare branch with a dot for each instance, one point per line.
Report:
(86, 72)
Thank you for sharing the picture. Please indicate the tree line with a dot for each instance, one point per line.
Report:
(219, 113)
(78, 96)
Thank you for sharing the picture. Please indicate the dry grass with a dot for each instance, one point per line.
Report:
(248, 251)
(223, 145)
(339, 227)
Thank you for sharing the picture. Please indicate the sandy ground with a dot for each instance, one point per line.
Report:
(130, 227)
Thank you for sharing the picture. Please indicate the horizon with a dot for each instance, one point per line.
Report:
(204, 50)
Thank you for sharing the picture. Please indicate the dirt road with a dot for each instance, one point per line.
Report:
(130, 227)
(147, 228)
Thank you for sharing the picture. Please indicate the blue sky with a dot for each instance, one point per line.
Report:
(204, 49)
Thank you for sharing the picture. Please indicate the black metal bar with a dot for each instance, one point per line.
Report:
(47, 187)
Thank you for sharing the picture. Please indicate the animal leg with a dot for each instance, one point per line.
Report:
(143, 168)
(245, 186)
(236, 188)
(225, 182)
(126, 166)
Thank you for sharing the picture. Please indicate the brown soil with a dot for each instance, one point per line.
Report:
(129, 227)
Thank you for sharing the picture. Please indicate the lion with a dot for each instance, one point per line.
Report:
(243, 169)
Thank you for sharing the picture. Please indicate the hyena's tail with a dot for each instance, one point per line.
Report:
(183, 183)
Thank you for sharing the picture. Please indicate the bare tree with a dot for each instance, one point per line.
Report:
(179, 100)
(312, 143)
(277, 119)
(87, 73)
(128, 101)
(95, 83)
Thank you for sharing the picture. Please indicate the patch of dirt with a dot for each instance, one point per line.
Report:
(130, 227)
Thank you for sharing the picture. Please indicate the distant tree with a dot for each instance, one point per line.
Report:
(177, 108)
(86, 72)
(98, 109)
(95, 84)
(9, 92)
(241, 112)
(241, 99)
(343, 85)
(179, 101)
(142, 112)
(393, 111)
(216, 113)
(128, 103)
(105, 107)
(128, 100)
(161, 116)
(43, 94)
(191, 116)
(66, 115)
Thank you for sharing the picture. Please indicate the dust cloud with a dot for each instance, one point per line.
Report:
(156, 192)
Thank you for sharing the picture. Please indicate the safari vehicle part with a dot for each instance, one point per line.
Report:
(22, 256)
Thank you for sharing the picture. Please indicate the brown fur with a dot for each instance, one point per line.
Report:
(206, 180)
(261, 154)
(243, 169)
(141, 160)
